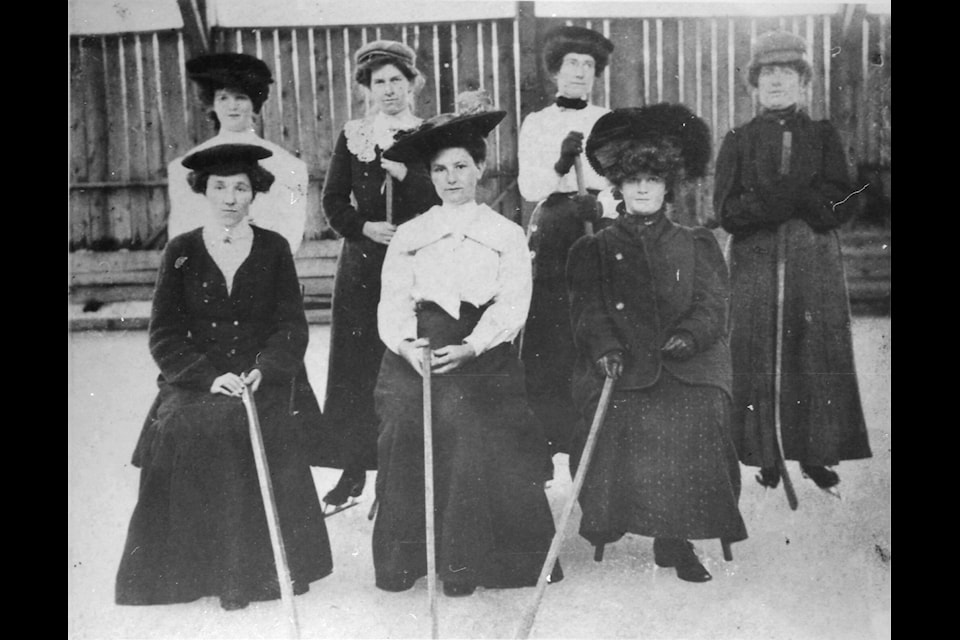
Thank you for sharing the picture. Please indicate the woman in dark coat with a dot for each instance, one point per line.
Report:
(226, 313)
(354, 201)
(458, 276)
(762, 200)
(550, 142)
(648, 306)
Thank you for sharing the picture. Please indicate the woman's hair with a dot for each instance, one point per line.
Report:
(800, 66)
(474, 145)
(365, 71)
(664, 161)
(207, 92)
(260, 179)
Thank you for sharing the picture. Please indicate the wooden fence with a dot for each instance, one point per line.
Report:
(132, 110)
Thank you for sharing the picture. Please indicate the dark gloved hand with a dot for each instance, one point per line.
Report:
(679, 346)
(570, 148)
(588, 208)
(610, 364)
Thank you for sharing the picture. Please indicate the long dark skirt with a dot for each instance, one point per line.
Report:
(549, 354)
(663, 466)
(355, 354)
(493, 521)
(199, 527)
(820, 410)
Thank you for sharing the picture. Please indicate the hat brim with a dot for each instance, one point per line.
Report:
(423, 143)
(215, 158)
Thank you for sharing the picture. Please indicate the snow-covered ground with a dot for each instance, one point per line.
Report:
(821, 572)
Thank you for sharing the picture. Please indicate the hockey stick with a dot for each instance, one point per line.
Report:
(270, 508)
(526, 623)
(428, 489)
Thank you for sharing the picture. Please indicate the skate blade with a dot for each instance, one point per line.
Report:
(338, 509)
(833, 491)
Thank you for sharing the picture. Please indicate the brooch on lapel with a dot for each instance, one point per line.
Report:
(179, 262)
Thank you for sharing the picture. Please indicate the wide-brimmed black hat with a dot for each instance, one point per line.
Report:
(560, 41)
(442, 132)
(240, 70)
(663, 139)
(228, 160)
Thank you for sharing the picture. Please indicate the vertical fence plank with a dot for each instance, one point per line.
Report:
(626, 64)
(668, 49)
(287, 91)
(79, 143)
(743, 103)
(318, 144)
(468, 61)
(137, 139)
(156, 201)
(118, 125)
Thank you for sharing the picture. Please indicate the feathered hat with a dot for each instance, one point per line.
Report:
(440, 132)
(664, 139)
(560, 41)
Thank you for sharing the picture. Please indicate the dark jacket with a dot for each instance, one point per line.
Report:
(631, 290)
(821, 415)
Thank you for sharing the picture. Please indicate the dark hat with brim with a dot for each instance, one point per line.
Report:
(777, 47)
(391, 50)
(560, 41)
(240, 70)
(226, 159)
(442, 132)
(663, 139)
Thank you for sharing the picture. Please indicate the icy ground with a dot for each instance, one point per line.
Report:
(819, 573)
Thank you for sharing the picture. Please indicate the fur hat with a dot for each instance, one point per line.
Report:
(440, 132)
(239, 70)
(778, 47)
(663, 139)
(228, 160)
(560, 41)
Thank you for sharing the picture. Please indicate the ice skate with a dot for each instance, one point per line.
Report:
(826, 479)
(345, 494)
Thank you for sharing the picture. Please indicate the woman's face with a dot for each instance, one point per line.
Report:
(229, 198)
(576, 75)
(455, 176)
(778, 86)
(234, 110)
(643, 194)
(390, 90)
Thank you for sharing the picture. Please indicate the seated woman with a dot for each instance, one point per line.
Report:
(648, 305)
(226, 313)
(458, 276)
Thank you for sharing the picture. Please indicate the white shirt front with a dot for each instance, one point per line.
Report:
(541, 136)
(282, 209)
(450, 255)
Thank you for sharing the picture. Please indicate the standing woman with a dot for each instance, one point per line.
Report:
(550, 141)
(458, 276)
(354, 200)
(226, 313)
(232, 88)
(797, 207)
(648, 306)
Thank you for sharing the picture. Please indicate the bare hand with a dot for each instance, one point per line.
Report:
(253, 380)
(229, 384)
(396, 169)
(450, 357)
(679, 346)
(381, 232)
(412, 352)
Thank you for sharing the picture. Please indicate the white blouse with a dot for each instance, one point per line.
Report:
(282, 209)
(541, 136)
(228, 247)
(450, 255)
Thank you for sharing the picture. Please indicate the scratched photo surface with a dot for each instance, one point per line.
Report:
(822, 570)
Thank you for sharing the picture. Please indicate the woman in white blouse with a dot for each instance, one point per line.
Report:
(458, 278)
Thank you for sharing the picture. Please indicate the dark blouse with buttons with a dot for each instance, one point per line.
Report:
(199, 331)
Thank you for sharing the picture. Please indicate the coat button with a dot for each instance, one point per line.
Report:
(619, 306)
(232, 352)
(236, 322)
(533, 254)
(213, 324)
(619, 256)
(204, 285)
